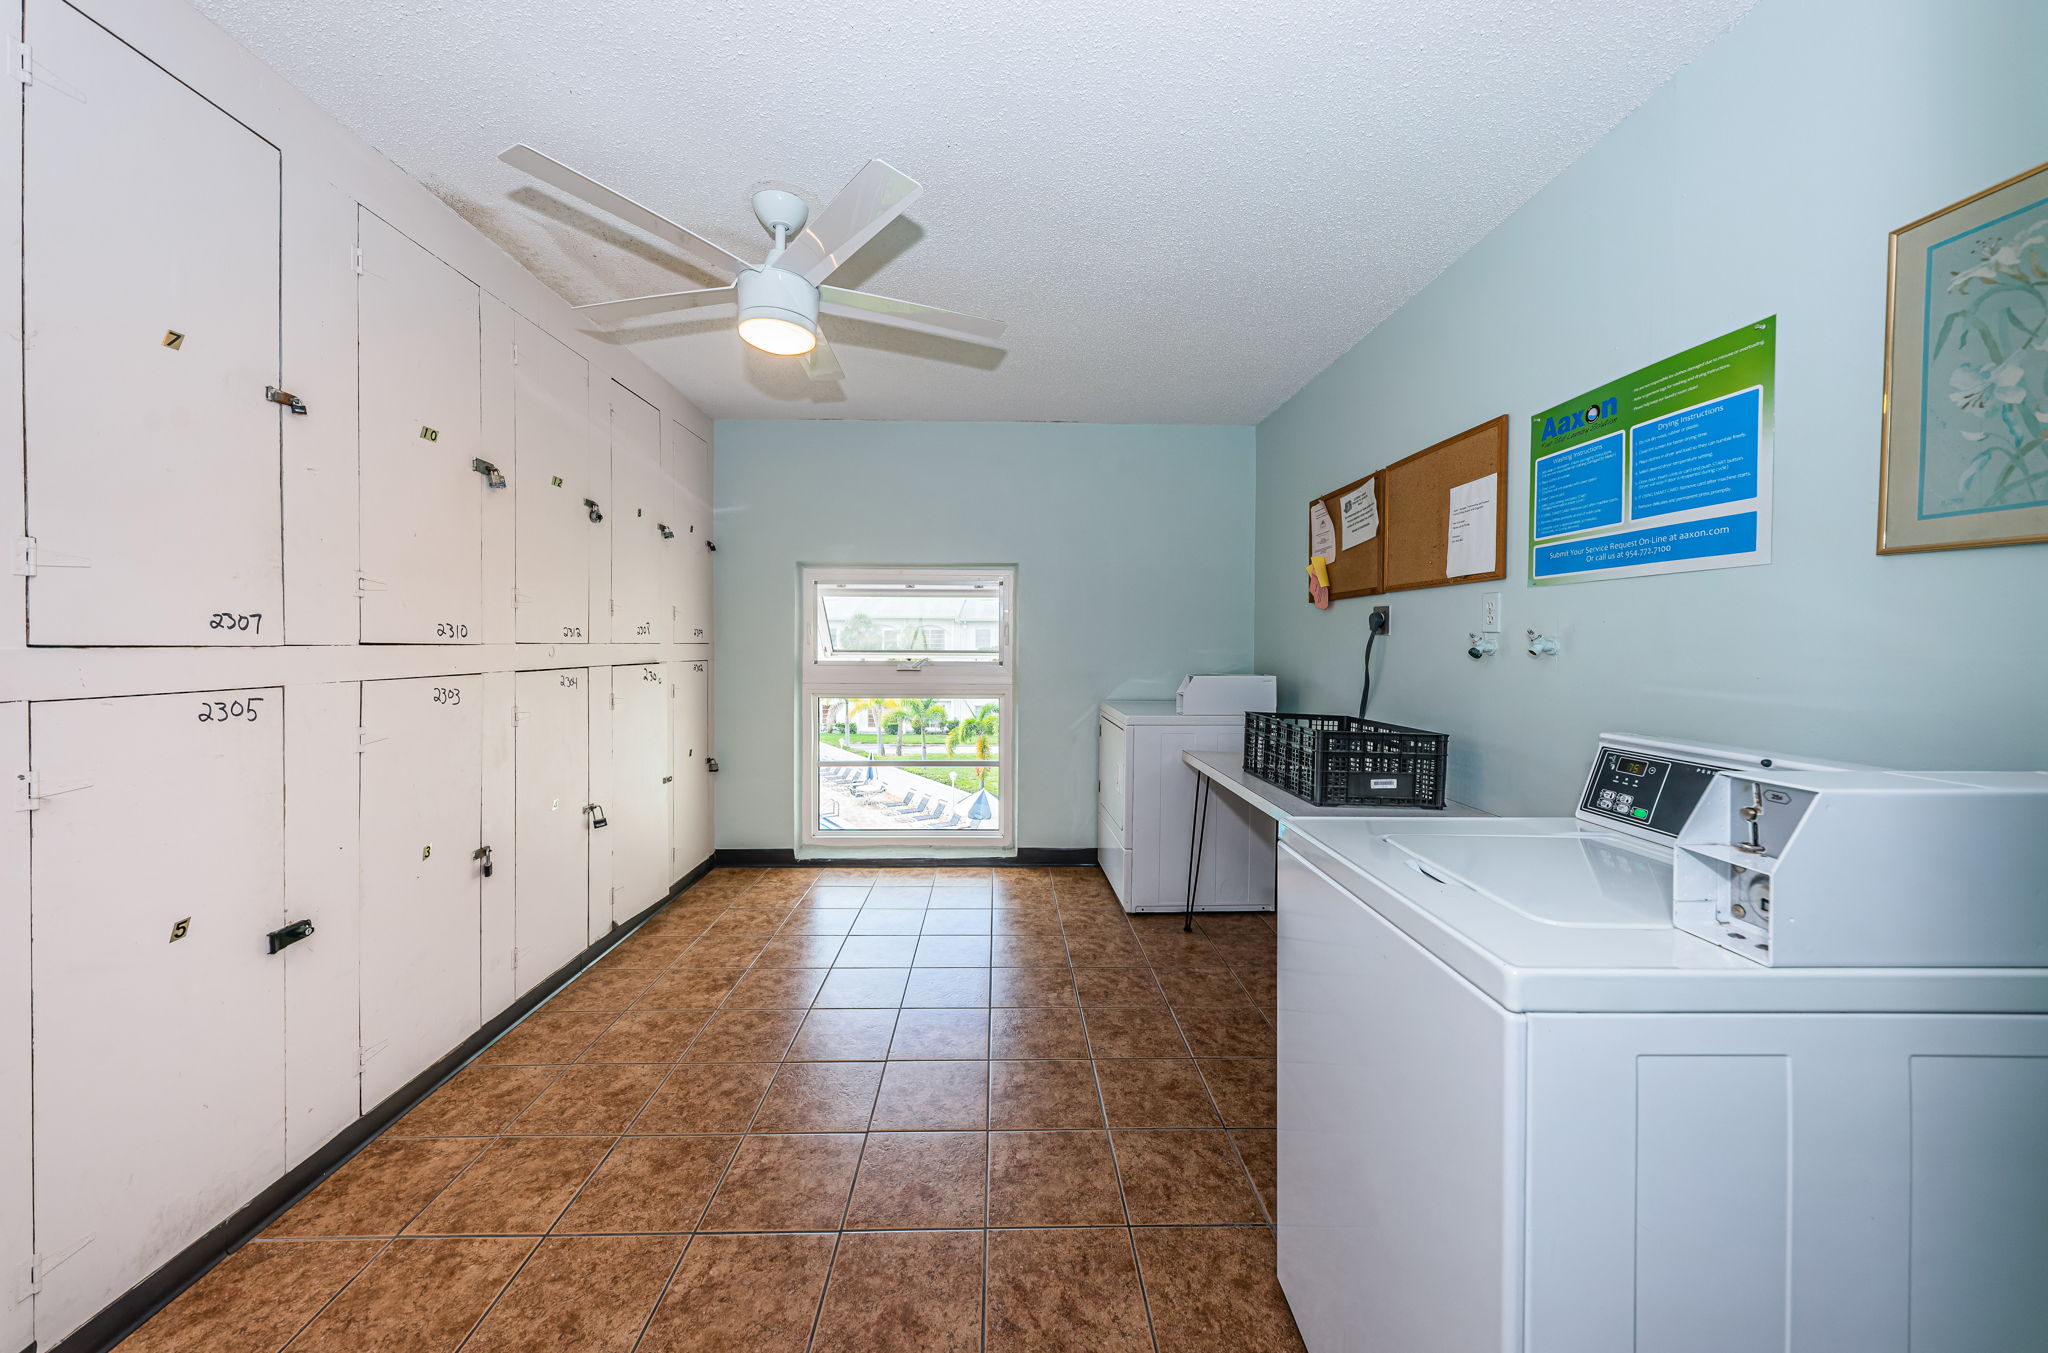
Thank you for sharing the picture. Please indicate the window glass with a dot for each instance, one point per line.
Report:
(901, 764)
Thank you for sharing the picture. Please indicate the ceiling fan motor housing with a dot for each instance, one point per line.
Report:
(771, 293)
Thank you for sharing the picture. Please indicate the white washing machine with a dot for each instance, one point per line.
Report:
(1520, 1110)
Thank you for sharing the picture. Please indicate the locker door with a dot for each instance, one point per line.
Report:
(693, 837)
(551, 453)
(17, 1237)
(639, 811)
(639, 612)
(422, 918)
(153, 459)
(551, 832)
(156, 871)
(693, 482)
(420, 434)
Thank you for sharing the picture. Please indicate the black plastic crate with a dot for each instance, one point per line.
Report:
(1334, 760)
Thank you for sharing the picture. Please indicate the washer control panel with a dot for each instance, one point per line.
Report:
(1652, 794)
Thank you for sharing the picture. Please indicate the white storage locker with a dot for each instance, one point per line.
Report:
(691, 468)
(323, 1090)
(17, 1236)
(640, 609)
(422, 901)
(551, 478)
(639, 806)
(420, 438)
(693, 820)
(551, 832)
(157, 872)
(150, 293)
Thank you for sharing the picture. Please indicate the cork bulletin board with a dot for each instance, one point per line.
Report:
(1419, 497)
(1415, 507)
(1354, 572)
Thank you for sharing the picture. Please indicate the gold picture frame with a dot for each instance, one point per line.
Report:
(1964, 450)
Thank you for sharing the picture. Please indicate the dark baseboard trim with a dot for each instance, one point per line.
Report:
(787, 859)
(128, 1312)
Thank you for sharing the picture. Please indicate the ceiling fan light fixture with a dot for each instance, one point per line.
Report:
(778, 311)
(777, 334)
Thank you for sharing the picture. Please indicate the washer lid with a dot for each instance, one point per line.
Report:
(1577, 879)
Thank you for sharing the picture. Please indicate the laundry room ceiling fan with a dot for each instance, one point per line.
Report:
(779, 299)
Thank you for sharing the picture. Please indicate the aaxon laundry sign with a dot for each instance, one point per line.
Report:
(1666, 470)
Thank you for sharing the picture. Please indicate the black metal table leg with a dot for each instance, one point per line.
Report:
(1200, 826)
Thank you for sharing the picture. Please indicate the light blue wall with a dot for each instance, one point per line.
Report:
(1133, 548)
(1763, 180)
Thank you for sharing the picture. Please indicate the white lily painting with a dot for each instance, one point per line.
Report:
(1984, 448)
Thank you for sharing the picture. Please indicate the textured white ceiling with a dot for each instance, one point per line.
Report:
(1183, 210)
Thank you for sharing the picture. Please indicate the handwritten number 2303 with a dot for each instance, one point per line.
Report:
(227, 711)
(447, 695)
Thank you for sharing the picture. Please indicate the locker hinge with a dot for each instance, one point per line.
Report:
(24, 66)
(40, 1266)
(30, 789)
(31, 558)
(358, 260)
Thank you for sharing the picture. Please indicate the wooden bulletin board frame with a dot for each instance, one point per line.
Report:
(1415, 507)
(1354, 572)
(1414, 496)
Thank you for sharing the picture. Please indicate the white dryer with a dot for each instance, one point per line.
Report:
(1519, 1110)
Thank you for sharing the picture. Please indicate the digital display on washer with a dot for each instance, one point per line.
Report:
(1652, 793)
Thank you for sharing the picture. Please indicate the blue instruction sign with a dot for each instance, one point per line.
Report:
(1579, 488)
(1663, 471)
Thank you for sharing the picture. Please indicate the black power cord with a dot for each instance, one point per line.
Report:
(1375, 627)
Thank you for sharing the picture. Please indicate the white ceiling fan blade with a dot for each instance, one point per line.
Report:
(821, 363)
(559, 175)
(657, 305)
(924, 319)
(875, 196)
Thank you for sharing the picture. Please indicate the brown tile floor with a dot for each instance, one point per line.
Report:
(844, 1111)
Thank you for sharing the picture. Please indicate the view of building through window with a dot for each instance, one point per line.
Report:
(909, 764)
(888, 623)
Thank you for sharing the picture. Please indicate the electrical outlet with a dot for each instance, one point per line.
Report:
(1381, 620)
(1489, 613)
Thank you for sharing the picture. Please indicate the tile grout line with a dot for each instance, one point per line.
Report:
(1102, 1105)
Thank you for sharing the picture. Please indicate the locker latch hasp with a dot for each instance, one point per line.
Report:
(482, 854)
(286, 936)
(284, 397)
(493, 476)
(596, 512)
(667, 531)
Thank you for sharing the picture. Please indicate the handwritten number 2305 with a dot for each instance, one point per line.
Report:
(227, 711)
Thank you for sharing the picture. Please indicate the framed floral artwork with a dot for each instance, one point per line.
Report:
(1965, 459)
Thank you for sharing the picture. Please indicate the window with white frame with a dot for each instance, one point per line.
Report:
(908, 692)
